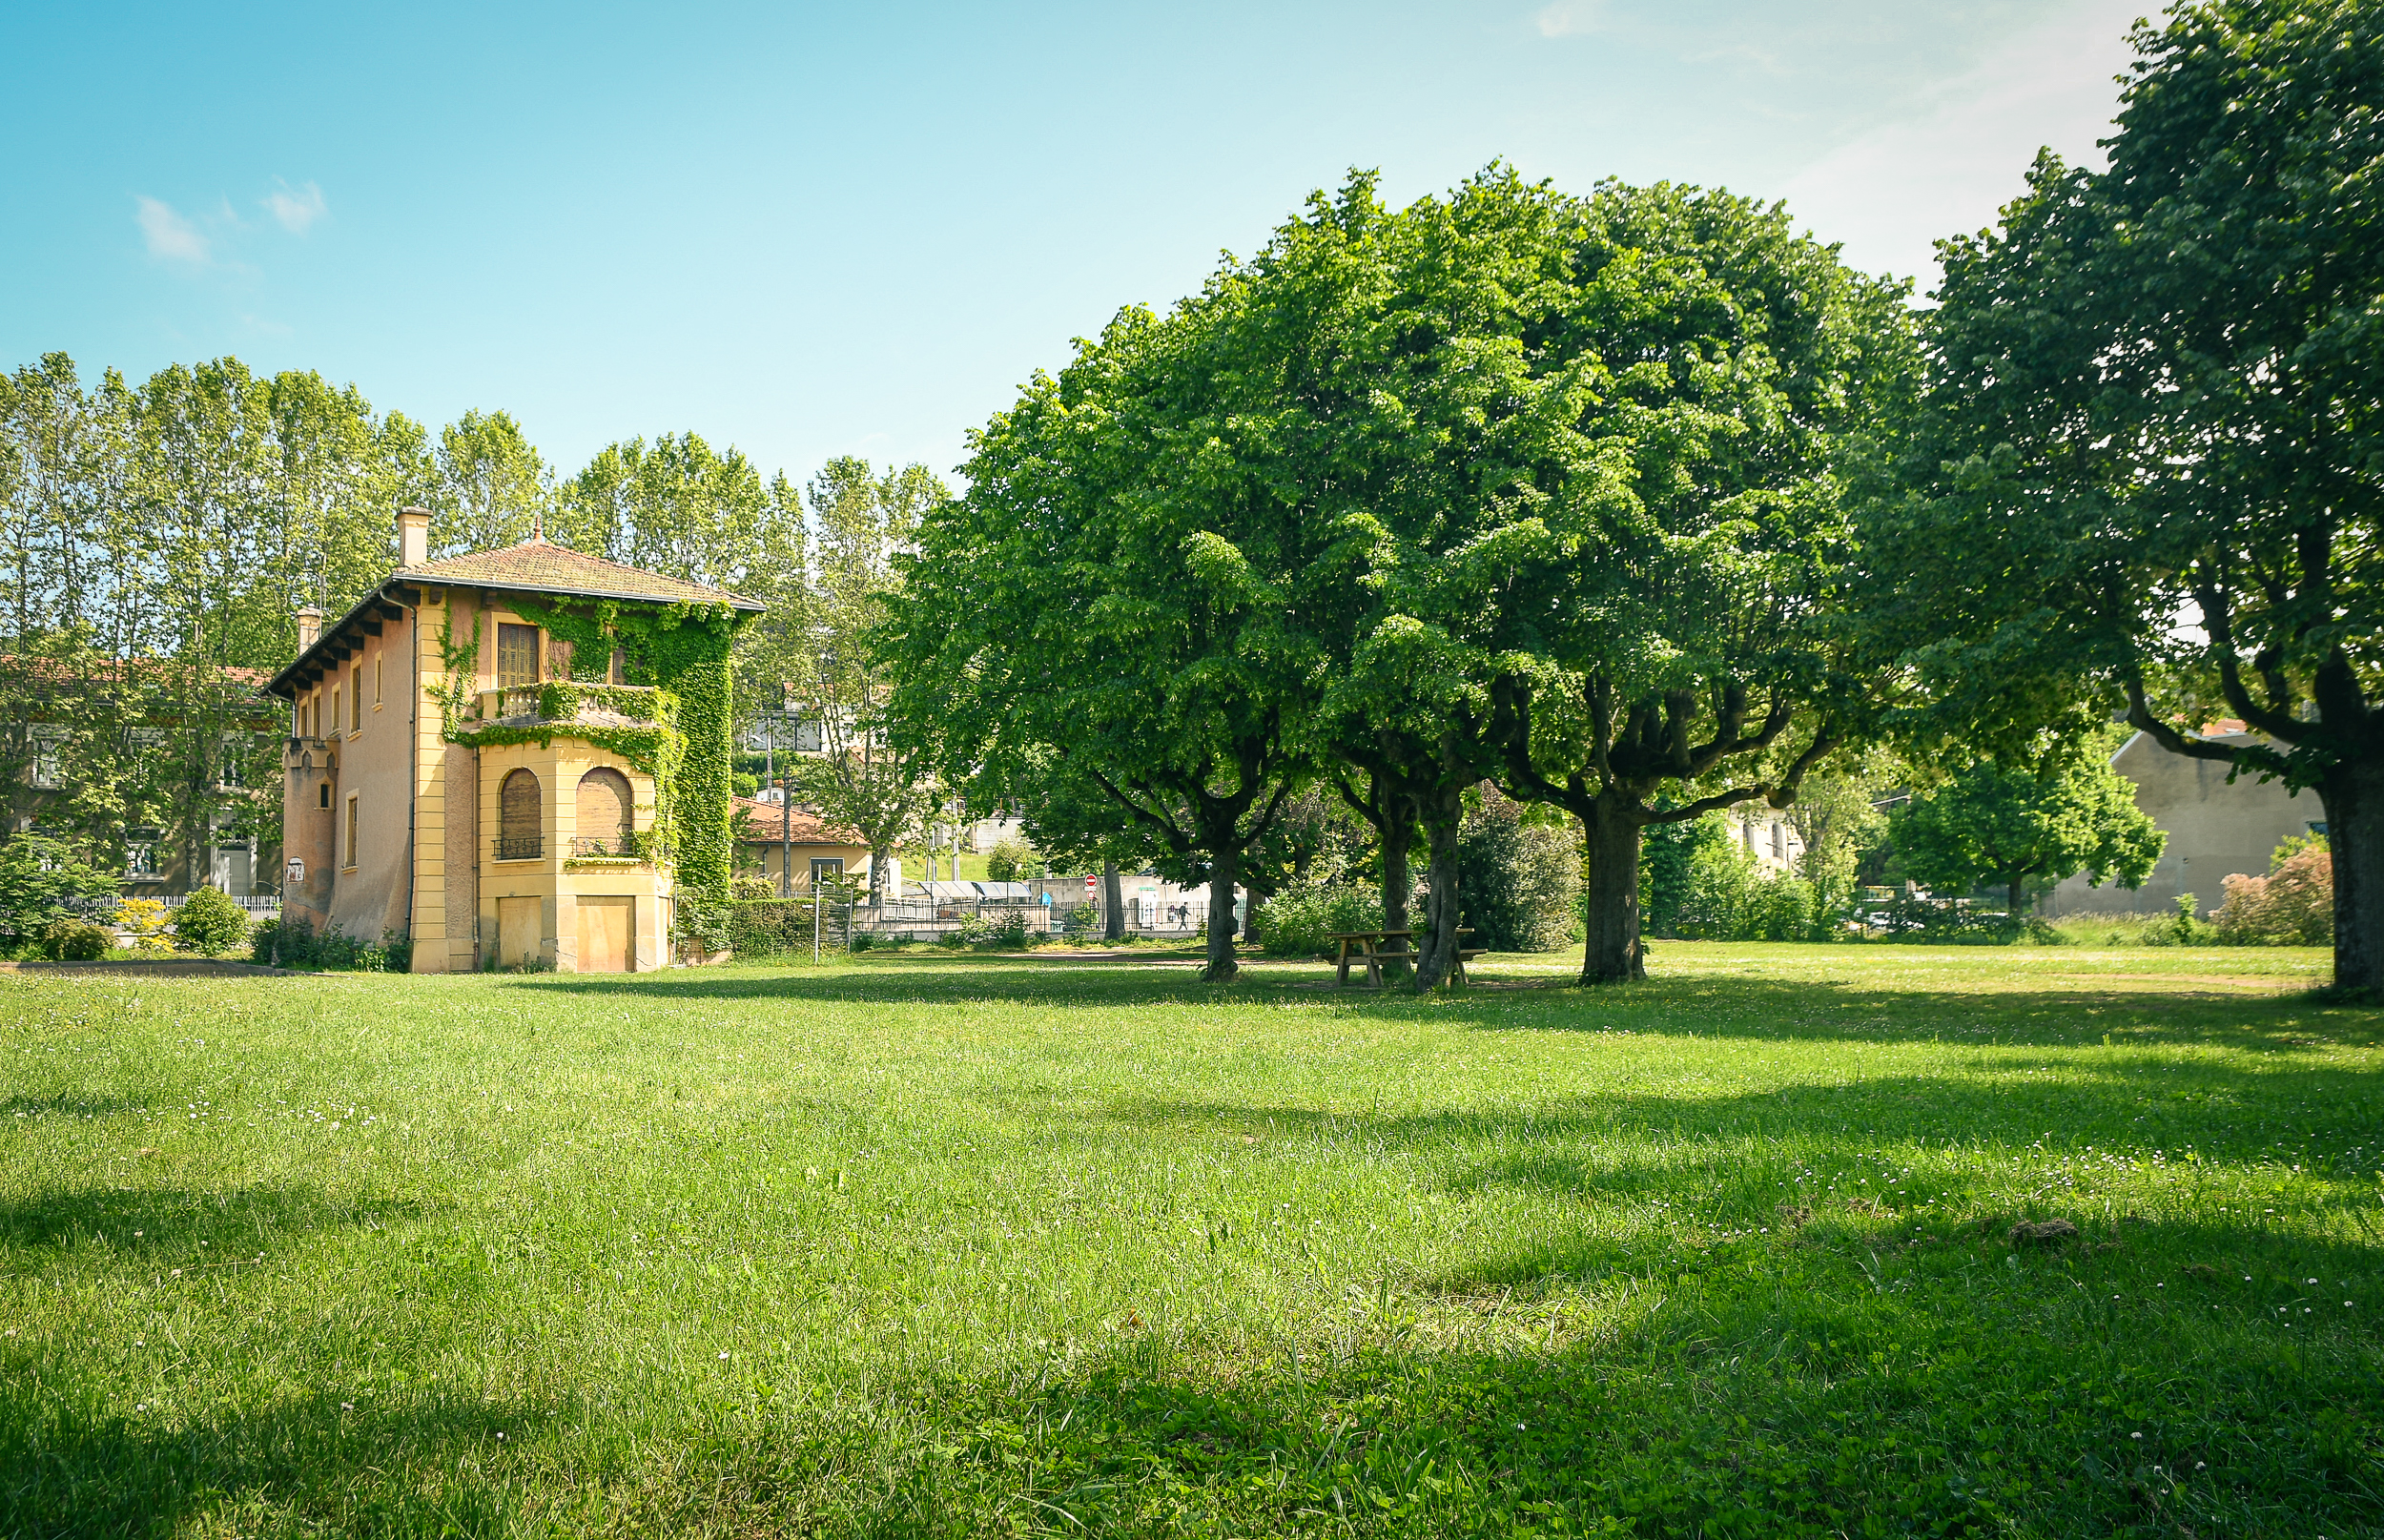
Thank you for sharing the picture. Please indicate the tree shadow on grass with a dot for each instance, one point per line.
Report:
(1932, 1392)
(1745, 1154)
(1701, 1005)
(147, 1228)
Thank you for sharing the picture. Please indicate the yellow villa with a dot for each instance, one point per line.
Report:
(460, 776)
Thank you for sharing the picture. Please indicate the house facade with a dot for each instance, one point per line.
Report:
(2215, 829)
(456, 775)
(774, 837)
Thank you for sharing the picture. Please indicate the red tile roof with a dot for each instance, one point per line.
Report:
(544, 567)
(805, 828)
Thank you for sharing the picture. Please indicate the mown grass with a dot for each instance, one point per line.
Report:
(977, 1245)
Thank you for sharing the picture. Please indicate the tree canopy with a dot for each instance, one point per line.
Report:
(2149, 463)
(2002, 824)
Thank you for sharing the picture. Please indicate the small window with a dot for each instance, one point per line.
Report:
(323, 796)
(517, 655)
(376, 662)
(351, 847)
(334, 708)
(48, 774)
(140, 855)
(827, 869)
(356, 699)
(1779, 841)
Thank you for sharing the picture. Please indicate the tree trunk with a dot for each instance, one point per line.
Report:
(1612, 952)
(1398, 887)
(1249, 918)
(2012, 903)
(2353, 797)
(1113, 903)
(1437, 958)
(1398, 882)
(1221, 966)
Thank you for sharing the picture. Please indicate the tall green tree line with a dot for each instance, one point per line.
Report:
(157, 540)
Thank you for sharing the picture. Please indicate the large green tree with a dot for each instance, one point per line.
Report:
(1123, 588)
(2001, 824)
(2153, 457)
(1680, 606)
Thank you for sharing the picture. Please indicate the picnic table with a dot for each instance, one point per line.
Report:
(1370, 950)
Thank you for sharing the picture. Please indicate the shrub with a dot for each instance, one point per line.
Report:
(76, 940)
(2182, 929)
(1010, 860)
(750, 885)
(1515, 881)
(209, 923)
(293, 943)
(2292, 906)
(1008, 933)
(1300, 920)
(38, 877)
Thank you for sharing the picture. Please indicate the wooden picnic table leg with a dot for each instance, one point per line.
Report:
(1341, 981)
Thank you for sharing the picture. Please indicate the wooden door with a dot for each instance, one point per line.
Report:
(604, 931)
(518, 928)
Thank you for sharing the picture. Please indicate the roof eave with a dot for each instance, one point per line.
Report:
(280, 683)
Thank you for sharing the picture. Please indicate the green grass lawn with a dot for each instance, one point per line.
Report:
(958, 1245)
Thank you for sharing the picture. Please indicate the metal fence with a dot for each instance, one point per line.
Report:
(104, 907)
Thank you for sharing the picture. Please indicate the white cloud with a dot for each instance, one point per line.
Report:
(168, 234)
(296, 208)
(1963, 151)
(1569, 18)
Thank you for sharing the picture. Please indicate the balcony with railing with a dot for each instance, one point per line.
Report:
(520, 846)
(565, 701)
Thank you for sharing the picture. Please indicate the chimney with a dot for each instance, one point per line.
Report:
(310, 626)
(413, 537)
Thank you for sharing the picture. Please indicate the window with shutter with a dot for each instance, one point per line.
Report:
(604, 810)
(519, 838)
(517, 655)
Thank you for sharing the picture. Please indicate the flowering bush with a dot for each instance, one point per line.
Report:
(2292, 906)
(143, 922)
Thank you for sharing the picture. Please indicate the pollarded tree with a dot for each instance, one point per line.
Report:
(1679, 613)
(2153, 455)
(2004, 825)
(1122, 588)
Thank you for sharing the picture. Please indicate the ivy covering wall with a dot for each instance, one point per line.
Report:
(680, 731)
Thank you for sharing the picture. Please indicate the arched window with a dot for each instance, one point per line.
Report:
(603, 813)
(518, 808)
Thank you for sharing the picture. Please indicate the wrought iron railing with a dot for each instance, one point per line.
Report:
(631, 847)
(520, 846)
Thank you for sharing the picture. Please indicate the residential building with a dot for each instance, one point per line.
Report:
(438, 784)
(2215, 829)
(769, 833)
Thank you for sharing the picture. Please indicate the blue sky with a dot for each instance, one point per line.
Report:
(811, 230)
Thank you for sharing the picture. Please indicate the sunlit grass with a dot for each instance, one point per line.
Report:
(961, 1245)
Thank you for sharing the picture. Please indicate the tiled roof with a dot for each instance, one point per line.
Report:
(549, 568)
(805, 828)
